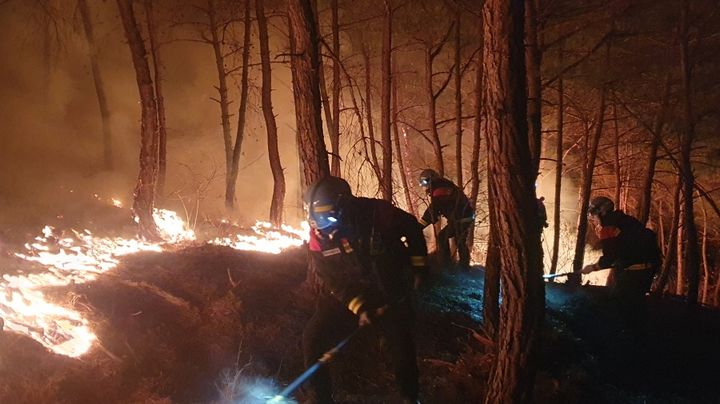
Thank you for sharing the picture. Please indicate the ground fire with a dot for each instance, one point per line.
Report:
(367, 201)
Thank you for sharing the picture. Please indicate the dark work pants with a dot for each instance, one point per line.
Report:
(333, 322)
(628, 293)
(459, 231)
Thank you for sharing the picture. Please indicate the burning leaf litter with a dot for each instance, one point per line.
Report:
(79, 257)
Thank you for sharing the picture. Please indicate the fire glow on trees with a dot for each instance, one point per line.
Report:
(80, 257)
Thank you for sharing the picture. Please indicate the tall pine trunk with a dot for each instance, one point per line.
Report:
(646, 192)
(558, 170)
(586, 189)
(430, 55)
(335, 134)
(533, 57)
(477, 129)
(692, 256)
(276, 206)
(512, 188)
(670, 251)
(374, 162)
(616, 160)
(304, 66)
(399, 152)
(458, 103)
(144, 196)
(99, 84)
(157, 74)
(385, 89)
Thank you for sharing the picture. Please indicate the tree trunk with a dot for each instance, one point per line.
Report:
(385, 89)
(692, 256)
(224, 101)
(144, 196)
(431, 112)
(616, 165)
(276, 206)
(558, 170)
(458, 103)
(99, 84)
(645, 201)
(679, 269)
(533, 57)
(157, 73)
(398, 147)
(706, 270)
(671, 245)
(491, 286)
(374, 162)
(512, 187)
(477, 129)
(304, 66)
(586, 188)
(242, 111)
(335, 134)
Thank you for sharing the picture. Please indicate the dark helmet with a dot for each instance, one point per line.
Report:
(324, 201)
(601, 206)
(427, 175)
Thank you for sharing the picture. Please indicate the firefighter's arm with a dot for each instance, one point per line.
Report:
(428, 217)
(610, 241)
(417, 247)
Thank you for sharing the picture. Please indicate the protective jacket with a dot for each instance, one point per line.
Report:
(365, 262)
(626, 242)
(448, 200)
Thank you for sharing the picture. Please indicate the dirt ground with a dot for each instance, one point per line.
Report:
(209, 324)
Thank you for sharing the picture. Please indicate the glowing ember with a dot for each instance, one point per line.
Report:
(78, 257)
(116, 202)
(267, 239)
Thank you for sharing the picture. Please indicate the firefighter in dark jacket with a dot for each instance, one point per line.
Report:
(631, 251)
(447, 200)
(367, 254)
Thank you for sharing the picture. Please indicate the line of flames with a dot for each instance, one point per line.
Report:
(80, 257)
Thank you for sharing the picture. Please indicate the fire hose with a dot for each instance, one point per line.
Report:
(324, 359)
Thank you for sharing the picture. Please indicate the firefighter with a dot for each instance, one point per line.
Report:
(367, 254)
(448, 200)
(631, 250)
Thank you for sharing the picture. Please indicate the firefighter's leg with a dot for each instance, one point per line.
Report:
(443, 246)
(399, 332)
(461, 240)
(320, 334)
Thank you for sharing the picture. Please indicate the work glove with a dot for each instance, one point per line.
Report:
(589, 268)
(367, 317)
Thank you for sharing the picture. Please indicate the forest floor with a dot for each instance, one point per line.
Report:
(174, 327)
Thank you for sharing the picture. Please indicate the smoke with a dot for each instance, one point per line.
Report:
(51, 135)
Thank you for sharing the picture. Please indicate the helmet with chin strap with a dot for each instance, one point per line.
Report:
(601, 206)
(325, 200)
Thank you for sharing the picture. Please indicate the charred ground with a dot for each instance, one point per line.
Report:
(211, 324)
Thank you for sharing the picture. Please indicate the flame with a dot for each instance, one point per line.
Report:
(267, 239)
(79, 257)
(116, 202)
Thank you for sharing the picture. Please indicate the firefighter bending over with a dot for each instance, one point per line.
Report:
(631, 250)
(448, 200)
(366, 254)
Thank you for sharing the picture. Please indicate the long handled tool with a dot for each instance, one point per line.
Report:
(324, 359)
(553, 276)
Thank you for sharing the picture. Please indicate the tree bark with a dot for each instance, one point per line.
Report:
(706, 269)
(242, 111)
(304, 66)
(692, 256)
(431, 111)
(645, 201)
(398, 147)
(512, 188)
(335, 134)
(533, 57)
(491, 285)
(276, 206)
(477, 129)
(616, 165)
(157, 73)
(385, 89)
(586, 189)
(680, 265)
(458, 102)
(558, 169)
(374, 162)
(670, 251)
(99, 84)
(144, 196)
